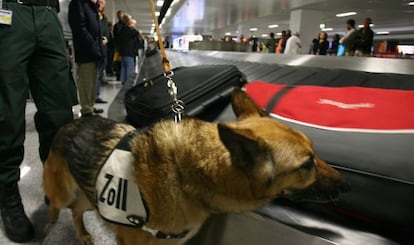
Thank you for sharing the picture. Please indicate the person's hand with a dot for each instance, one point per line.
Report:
(104, 41)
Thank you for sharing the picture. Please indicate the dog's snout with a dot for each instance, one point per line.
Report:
(344, 187)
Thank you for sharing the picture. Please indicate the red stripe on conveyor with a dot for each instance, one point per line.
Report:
(340, 107)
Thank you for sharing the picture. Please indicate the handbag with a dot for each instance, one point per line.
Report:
(341, 50)
(117, 56)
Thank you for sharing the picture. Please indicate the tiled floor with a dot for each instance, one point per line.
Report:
(32, 194)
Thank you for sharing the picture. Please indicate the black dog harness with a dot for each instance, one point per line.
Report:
(119, 199)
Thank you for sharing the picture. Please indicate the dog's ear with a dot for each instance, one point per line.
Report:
(242, 144)
(239, 142)
(248, 152)
(244, 106)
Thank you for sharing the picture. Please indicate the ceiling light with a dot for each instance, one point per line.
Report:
(160, 3)
(370, 25)
(273, 26)
(264, 35)
(321, 26)
(279, 34)
(174, 2)
(228, 33)
(411, 3)
(383, 33)
(327, 29)
(346, 14)
(253, 29)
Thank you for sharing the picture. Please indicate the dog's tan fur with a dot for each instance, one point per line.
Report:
(190, 170)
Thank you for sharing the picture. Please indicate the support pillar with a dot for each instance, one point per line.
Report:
(307, 23)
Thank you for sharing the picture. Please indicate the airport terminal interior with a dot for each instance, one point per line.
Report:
(379, 208)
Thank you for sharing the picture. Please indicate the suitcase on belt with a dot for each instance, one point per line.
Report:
(205, 91)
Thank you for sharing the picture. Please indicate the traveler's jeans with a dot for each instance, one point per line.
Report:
(127, 67)
(101, 69)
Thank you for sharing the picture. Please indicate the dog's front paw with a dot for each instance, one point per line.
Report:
(86, 239)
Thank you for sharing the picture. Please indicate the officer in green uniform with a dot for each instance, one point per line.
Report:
(33, 57)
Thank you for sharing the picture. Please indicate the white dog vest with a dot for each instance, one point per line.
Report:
(119, 199)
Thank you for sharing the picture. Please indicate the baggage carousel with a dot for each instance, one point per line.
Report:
(281, 222)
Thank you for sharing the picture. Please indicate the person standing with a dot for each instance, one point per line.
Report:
(365, 39)
(255, 43)
(128, 47)
(349, 40)
(105, 39)
(111, 50)
(118, 26)
(87, 41)
(116, 29)
(285, 39)
(271, 43)
(279, 48)
(322, 45)
(141, 47)
(33, 58)
(293, 44)
(334, 45)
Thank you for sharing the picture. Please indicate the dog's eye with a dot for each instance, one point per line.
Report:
(309, 164)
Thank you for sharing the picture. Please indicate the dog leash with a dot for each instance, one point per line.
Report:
(177, 105)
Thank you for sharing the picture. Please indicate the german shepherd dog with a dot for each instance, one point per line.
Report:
(181, 173)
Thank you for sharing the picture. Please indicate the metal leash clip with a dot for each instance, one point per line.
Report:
(177, 105)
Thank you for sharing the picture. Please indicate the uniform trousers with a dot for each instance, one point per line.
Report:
(33, 57)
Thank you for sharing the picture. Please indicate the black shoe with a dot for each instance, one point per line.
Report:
(16, 224)
(100, 101)
(46, 199)
(98, 110)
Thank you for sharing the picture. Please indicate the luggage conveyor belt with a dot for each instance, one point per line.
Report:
(288, 69)
(305, 69)
(274, 224)
(366, 64)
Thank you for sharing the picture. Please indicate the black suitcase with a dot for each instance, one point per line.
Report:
(205, 91)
